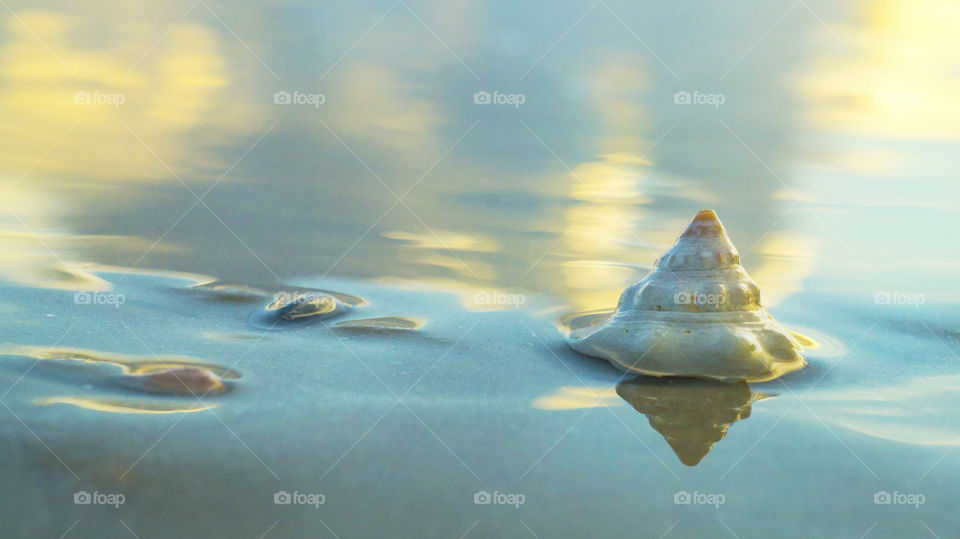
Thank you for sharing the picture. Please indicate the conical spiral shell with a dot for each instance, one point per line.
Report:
(698, 313)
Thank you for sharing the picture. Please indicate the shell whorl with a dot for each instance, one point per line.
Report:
(700, 273)
(704, 245)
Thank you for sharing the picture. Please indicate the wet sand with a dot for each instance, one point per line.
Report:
(391, 427)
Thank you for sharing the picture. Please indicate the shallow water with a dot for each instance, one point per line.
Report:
(435, 244)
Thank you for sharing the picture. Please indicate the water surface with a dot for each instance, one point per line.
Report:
(157, 194)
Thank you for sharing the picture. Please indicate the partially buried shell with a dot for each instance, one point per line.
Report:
(175, 380)
(298, 308)
(696, 314)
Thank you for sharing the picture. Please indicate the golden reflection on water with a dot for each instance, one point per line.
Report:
(90, 96)
(786, 258)
(189, 89)
(118, 406)
(35, 252)
(29, 250)
(443, 240)
(578, 398)
(604, 224)
(816, 343)
(181, 86)
(898, 80)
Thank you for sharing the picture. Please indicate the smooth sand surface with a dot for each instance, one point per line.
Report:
(399, 431)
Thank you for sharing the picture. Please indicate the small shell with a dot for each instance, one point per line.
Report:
(294, 309)
(696, 314)
(381, 324)
(197, 381)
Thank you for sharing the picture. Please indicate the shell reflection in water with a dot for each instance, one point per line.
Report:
(692, 415)
(697, 314)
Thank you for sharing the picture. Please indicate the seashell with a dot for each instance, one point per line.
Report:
(175, 380)
(697, 313)
(294, 309)
(381, 324)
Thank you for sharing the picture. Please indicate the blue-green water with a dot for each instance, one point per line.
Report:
(291, 146)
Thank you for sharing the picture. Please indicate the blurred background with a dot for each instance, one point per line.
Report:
(469, 145)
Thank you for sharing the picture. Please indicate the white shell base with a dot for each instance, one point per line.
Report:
(700, 345)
